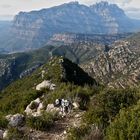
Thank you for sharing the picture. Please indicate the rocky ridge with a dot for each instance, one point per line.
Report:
(119, 67)
(39, 100)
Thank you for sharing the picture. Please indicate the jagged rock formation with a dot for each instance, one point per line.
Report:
(119, 67)
(33, 29)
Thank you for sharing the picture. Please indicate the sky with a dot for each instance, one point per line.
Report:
(9, 8)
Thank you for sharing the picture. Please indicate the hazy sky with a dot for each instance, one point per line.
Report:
(12, 7)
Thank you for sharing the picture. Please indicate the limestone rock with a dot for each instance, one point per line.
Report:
(5, 134)
(52, 108)
(34, 108)
(16, 120)
(45, 84)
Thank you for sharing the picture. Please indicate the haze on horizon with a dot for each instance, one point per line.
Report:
(9, 8)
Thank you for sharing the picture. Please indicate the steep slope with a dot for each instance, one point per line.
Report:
(33, 29)
(18, 65)
(14, 66)
(61, 78)
(39, 117)
(119, 67)
(58, 70)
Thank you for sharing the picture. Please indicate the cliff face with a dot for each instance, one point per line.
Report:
(33, 29)
(119, 67)
(113, 19)
(69, 38)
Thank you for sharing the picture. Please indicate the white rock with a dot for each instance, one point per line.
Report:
(45, 84)
(65, 132)
(8, 117)
(16, 120)
(30, 111)
(52, 87)
(1, 134)
(40, 107)
(5, 134)
(75, 105)
(36, 114)
(52, 108)
(37, 101)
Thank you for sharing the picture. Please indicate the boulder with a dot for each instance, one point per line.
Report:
(36, 111)
(29, 109)
(45, 84)
(37, 100)
(16, 120)
(40, 107)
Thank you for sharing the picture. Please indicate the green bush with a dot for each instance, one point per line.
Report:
(77, 133)
(126, 126)
(3, 122)
(105, 106)
(15, 134)
(43, 122)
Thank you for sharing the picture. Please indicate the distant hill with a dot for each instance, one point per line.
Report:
(33, 29)
(17, 65)
(58, 69)
(92, 55)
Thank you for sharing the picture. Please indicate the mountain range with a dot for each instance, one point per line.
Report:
(115, 65)
(30, 30)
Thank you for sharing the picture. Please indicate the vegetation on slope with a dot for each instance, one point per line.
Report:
(104, 109)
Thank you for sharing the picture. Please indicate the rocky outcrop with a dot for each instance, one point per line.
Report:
(15, 120)
(34, 108)
(119, 67)
(46, 84)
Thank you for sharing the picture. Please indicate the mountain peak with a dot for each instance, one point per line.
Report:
(74, 3)
(104, 5)
(60, 69)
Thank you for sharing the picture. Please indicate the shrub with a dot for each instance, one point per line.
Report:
(3, 122)
(43, 122)
(15, 134)
(105, 106)
(77, 133)
(126, 126)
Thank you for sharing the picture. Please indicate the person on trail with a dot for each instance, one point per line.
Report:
(64, 105)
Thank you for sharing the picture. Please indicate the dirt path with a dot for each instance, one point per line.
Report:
(60, 128)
